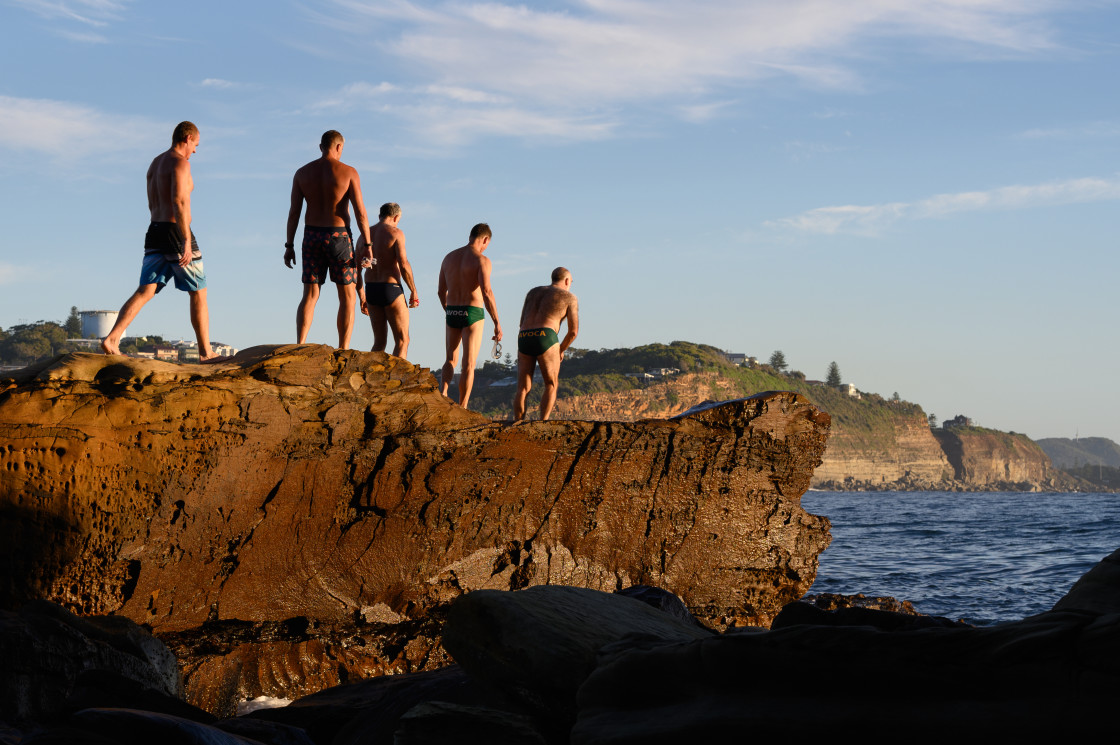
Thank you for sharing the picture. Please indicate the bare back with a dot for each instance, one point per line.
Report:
(463, 273)
(169, 183)
(546, 307)
(387, 242)
(328, 186)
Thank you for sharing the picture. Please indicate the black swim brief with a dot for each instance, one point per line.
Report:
(535, 342)
(325, 248)
(166, 238)
(383, 294)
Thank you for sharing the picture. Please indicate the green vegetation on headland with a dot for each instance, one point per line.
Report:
(612, 370)
(28, 343)
(663, 379)
(25, 344)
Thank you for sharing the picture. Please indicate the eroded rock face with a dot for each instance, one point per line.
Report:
(301, 481)
(990, 458)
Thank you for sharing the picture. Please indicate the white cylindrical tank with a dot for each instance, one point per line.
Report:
(97, 323)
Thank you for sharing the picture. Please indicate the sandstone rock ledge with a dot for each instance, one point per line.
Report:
(301, 482)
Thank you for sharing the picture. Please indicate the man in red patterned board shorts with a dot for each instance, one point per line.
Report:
(329, 187)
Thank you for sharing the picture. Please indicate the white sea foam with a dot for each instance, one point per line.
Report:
(261, 702)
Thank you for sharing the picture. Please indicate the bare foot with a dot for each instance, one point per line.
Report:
(108, 348)
(209, 357)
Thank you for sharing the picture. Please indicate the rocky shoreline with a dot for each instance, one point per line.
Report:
(554, 664)
(303, 523)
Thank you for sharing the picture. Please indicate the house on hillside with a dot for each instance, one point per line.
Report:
(960, 420)
(662, 372)
(850, 389)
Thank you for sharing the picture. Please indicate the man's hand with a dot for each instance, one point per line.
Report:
(414, 301)
(290, 257)
(497, 332)
(362, 306)
(185, 257)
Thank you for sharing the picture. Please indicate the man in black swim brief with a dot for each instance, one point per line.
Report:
(382, 298)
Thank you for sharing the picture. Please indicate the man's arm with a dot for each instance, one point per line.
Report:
(406, 270)
(441, 291)
(355, 194)
(181, 198)
(488, 295)
(573, 325)
(293, 223)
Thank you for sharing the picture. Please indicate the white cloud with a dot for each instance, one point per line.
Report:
(11, 273)
(219, 84)
(583, 60)
(70, 131)
(611, 49)
(869, 219)
(90, 12)
(444, 116)
(1092, 130)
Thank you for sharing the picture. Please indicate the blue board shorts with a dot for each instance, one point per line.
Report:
(159, 270)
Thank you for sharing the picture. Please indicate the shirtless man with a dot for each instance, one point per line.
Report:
(329, 187)
(382, 299)
(166, 255)
(539, 343)
(464, 289)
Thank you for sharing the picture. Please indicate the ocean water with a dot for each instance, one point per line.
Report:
(981, 557)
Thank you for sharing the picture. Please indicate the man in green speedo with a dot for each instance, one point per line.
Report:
(539, 342)
(464, 289)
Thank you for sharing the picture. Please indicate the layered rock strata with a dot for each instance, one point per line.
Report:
(989, 458)
(901, 453)
(300, 482)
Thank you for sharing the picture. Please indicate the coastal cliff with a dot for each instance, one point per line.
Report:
(300, 497)
(893, 449)
(987, 457)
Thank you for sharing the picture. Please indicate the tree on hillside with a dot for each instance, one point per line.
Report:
(895, 398)
(933, 421)
(73, 325)
(833, 378)
(778, 361)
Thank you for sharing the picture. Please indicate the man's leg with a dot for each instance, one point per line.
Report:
(380, 329)
(472, 342)
(305, 311)
(396, 314)
(452, 358)
(550, 373)
(111, 343)
(347, 301)
(200, 319)
(525, 367)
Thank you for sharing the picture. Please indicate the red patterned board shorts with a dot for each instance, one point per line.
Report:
(325, 248)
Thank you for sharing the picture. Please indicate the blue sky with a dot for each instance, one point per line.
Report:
(924, 192)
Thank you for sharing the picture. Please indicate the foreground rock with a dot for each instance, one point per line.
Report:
(44, 650)
(306, 485)
(555, 664)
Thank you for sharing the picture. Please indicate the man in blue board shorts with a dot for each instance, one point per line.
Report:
(168, 253)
